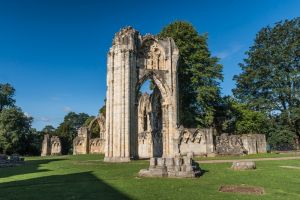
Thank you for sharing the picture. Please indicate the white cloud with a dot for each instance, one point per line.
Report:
(27, 114)
(43, 119)
(67, 109)
(230, 51)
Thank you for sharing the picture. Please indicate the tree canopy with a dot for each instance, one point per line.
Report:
(7, 93)
(199, 75)
(270, 78)
(15, 127)
(67, 130)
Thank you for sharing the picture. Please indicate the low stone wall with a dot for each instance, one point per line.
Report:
(97, 146)
(173, 167)
(241, 144)
(198, 141)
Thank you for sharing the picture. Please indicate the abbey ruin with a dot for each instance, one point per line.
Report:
(51, 145)
(141, 125)
(145, 126)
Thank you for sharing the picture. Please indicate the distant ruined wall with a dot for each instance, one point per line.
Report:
(241, 144)
(81, 142)
(198, 141)
(84, 144)
(46, 146)
(254, 143)
(51, 145)
(96, 146)
(55, 145)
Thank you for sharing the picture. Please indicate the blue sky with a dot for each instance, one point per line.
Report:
(54, 52)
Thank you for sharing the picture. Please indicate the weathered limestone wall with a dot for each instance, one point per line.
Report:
(96, 146)
(198, 141)
(55, 145)
(46, 146)
(81, 142)
(255, 143)
(132, 59)
(261, 143)
(241, 144)
(84, 144)
(51, 145)
(144, 127)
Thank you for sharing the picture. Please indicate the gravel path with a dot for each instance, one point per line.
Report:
(250, 159)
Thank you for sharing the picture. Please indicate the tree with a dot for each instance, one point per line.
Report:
(49, 129)
(102, 110)
(199, 75)
(270, 78)
(15, 127)
(67, 130)
(236, 118)
(95, 129)
(6, 96)
(33, 142)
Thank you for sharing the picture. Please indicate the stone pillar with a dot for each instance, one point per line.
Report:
(46, 146)
(119, 97)
(209, 140)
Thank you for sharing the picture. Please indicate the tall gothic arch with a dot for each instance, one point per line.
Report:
(131, 60)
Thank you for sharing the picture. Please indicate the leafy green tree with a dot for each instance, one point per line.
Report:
(95, 129)
(6, 96)
(15, 127)
(270, 78)
(49, 129)
(67, 130)
(33, 142)
(102, 110)
(237, 118)
(199, 75)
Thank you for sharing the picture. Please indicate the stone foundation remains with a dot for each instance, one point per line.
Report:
(176, 167)
(243, 165)
(13, 160)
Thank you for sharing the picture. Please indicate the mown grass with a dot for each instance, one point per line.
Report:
(88, 177)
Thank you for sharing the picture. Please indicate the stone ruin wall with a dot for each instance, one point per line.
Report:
(131, 130)
(133, 59)
(51, 145)
(241, 144)
(81, 142)
(198, 141)
(55, 145)
(46, 148)
(84, 144)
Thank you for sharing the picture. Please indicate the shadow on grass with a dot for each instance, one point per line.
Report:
(71, 186)
(30, 166)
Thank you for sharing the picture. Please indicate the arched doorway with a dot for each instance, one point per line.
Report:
(149, 120)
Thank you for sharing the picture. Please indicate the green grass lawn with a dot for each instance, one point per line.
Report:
(88, 177)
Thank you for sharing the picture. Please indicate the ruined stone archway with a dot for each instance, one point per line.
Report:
(150, 122)
(131, 60)
(100, 120)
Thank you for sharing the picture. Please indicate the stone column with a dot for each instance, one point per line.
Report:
(120, 74)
